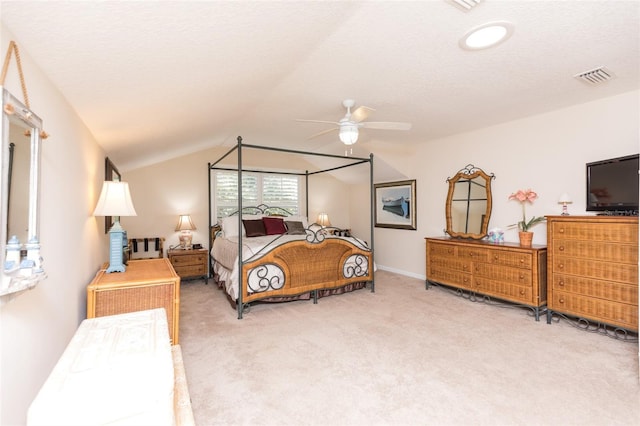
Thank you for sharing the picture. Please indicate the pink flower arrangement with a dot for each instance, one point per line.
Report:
(524, 197)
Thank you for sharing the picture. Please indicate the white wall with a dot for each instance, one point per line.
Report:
(36, 326)
(546, 153)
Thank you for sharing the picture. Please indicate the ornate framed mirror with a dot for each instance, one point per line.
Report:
(20, 183)
(468, 207)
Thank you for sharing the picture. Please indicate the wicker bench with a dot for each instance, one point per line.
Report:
(117, 369)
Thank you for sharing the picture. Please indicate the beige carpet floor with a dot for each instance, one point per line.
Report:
(400, 356)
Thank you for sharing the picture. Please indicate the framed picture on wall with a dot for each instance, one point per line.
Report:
(395, 204)
(110, 173)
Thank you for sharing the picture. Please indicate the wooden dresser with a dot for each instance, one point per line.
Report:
(190, 263)
(505, 271)
(146, 284)
(593, 268)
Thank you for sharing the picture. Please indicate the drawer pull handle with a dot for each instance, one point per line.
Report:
(561, 230)
(496, 257)
(561, 266)
(521, 260)
(561, 283)
(561, 300)
(561, 248)
(521, 277)
(521, 292)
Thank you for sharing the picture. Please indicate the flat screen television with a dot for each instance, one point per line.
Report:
(612, 185)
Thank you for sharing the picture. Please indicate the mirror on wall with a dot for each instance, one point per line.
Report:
(19, 178)
(468, 207)
(110, 173)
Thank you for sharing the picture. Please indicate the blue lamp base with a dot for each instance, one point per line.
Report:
(117, 242)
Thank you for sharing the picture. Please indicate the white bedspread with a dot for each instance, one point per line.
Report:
(225, 253)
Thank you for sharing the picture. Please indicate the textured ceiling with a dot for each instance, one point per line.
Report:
(157, 79)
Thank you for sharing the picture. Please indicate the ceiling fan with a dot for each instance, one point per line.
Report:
(348, 126)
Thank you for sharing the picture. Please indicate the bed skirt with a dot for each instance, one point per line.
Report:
(304, 296)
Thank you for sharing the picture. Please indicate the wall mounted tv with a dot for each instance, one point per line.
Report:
(612, 186)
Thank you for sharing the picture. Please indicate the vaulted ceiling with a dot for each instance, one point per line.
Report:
(157, 79)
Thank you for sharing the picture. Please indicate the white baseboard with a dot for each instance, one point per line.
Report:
(401, 272)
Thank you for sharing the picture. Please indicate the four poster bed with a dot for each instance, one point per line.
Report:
(263, 253)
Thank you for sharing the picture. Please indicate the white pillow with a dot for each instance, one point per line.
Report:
(229, 224)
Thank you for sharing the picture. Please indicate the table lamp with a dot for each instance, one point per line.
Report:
(323, 220)
(186, 226)
(115, 200)
(564, 200)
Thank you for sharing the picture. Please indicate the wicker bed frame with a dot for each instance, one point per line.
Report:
(336, 263)
(314, 266)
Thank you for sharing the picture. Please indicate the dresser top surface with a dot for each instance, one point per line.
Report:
(484, 243)
(178, 252)
(143, 271)
(594, 218)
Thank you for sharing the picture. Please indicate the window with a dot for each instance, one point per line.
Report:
(271, 189)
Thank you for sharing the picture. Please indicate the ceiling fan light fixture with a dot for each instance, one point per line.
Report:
(486, 35)
(348, 134)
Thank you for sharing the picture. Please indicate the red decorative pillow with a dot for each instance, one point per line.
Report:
(274, 225)
(254, 227)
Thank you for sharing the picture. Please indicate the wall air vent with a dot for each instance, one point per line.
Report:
(595, 76)
(465, 5)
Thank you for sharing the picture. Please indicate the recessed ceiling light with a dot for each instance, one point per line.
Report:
(486, 35)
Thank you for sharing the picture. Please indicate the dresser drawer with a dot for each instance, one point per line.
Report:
(190, 270)
(452, 263)
(619, 314)
(441, 249)
(503, 273)
(605, 251)
(591, 231)
(624, 273)
(479, 254)
(505, 290)
(510, 258)
(188, 259)
(448, 277)
(609, 290)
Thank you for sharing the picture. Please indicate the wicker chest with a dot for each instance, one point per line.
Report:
(505, 271)
(146, 284)
(593, 268)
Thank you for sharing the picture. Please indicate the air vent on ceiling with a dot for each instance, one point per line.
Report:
(465, 4)
(595, 76)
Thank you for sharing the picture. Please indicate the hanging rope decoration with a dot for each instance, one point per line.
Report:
(9, 109)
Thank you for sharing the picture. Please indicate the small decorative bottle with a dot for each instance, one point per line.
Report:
(12, 260)
(33, 254)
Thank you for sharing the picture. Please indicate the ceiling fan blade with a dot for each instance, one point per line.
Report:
(385, 125)
(361, 113)
(322, 133)
(318, 121)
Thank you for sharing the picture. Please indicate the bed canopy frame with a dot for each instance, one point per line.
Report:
(238, 149)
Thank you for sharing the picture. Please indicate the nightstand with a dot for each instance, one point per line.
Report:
(190, 263)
